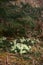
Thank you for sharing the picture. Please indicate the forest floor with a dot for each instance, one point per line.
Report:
(34, 57)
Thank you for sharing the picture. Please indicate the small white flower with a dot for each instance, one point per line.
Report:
(28, 39)
(3, 38)
(25, 47)
(18, 45)
(22, 51)
(29, 47)
(12, 48)
(10, 42)
(15, 51)
(14, 41)
(32, 42)
(22, 40)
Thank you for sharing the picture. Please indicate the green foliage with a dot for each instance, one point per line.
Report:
(2, 12)
(5, 45)
(18, 18)
(3, 0)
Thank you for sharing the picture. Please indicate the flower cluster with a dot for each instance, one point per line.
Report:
(23, 45)
(20, 45)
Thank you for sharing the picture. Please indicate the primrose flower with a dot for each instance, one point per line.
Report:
(29, 47)
(18, 45)
(32, 42)
(23, 51)
(13, 48)
(22, 40)
(3, 38)
(28, 39)
(10, 42)
(14, 41)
